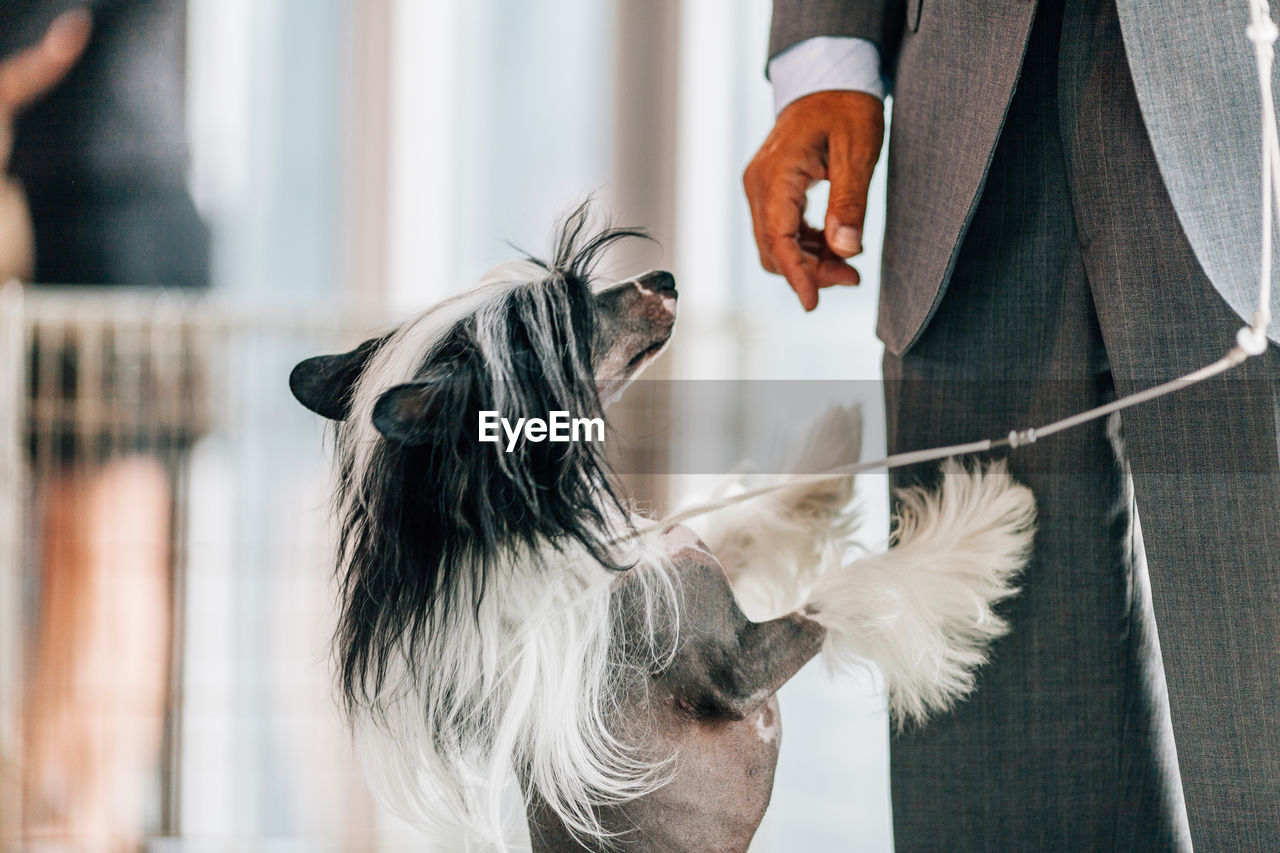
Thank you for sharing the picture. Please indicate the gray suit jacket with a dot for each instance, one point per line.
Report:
(955, 63)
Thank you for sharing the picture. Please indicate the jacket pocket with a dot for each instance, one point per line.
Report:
(913, 14)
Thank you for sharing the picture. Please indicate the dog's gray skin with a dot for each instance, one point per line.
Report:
(713, 707)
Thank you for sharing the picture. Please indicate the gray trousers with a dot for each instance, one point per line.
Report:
(1075, 282)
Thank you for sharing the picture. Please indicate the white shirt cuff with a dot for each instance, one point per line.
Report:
(823, 63)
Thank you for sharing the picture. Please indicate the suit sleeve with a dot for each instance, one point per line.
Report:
(878, 21)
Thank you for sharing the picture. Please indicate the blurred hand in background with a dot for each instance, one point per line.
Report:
(24, 77)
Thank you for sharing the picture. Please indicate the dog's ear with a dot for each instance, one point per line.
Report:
(407, 414)
(323, 384)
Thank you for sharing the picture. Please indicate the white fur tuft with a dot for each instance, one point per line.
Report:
(922, 611)
(522, 689)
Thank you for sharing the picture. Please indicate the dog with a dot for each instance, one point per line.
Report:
(503, 623)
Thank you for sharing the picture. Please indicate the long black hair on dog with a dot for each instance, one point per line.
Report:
(430, 500)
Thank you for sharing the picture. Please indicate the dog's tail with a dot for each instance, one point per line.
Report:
(923, 610)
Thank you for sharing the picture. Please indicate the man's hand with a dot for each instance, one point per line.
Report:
(833, 136)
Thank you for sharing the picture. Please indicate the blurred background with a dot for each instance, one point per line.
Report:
(198, 195)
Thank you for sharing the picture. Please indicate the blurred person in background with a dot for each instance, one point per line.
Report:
(1072, 215)
(95, 194)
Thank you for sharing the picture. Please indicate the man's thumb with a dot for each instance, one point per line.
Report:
(846, 210)
(847, 202)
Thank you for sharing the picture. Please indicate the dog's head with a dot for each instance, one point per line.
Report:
(528, 325)
(429, 515)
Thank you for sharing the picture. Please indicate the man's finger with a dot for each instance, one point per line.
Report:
(29, 74)
(835, 272)
(800, 270)
(832, 269)
(755, 203)
(778, 202)
(752, 183)
(782, 226)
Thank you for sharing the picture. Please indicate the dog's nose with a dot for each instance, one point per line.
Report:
(658, 281)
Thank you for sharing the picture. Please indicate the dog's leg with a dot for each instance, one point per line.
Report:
(726, 665)
(763, 656)
(772, 547)
(922, 611)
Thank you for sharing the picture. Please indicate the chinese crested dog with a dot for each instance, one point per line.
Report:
(502, 624)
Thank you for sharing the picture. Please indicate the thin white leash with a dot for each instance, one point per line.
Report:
(1251, 340)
